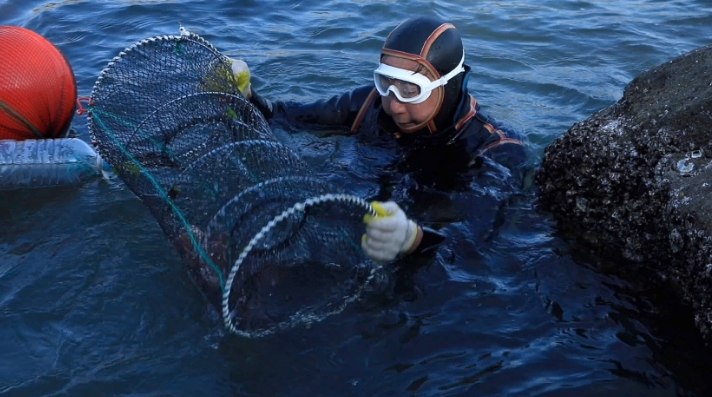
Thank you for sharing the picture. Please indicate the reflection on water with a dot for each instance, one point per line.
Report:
(94, 300)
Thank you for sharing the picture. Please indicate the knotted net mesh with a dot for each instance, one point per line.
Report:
(268, 242)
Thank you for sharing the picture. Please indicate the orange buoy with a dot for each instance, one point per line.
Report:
(37, 87)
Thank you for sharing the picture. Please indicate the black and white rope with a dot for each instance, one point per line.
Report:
(298, 207)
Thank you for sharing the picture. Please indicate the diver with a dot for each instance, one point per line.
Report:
(38, 91)
(419, 98)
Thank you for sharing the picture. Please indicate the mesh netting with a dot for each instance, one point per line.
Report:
(269, 243)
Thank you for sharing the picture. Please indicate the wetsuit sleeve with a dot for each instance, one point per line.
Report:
(430, 239)
(505, 147)
(510, 153)
(262, 104)
(486, 138)
(337, 112)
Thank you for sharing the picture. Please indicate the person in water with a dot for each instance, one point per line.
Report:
(419, 97)
(38, 91)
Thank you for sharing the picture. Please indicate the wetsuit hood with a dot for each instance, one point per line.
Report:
(437, 46)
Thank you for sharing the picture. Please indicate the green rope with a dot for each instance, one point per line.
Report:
(164, 195)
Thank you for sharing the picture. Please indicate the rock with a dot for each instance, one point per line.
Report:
(635, 179)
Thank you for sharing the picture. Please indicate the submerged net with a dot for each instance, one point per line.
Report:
(269, 243)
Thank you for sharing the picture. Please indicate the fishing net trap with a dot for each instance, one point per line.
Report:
(268, 242)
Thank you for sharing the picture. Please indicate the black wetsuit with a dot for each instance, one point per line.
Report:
(443, 157)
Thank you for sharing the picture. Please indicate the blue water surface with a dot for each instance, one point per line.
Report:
(94, 301)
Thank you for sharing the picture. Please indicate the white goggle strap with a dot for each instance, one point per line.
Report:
(444, 79)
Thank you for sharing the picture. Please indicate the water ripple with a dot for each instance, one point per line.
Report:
(94, 299)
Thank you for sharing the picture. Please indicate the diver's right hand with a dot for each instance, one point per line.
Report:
(242, 75)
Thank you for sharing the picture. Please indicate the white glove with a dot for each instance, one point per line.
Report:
(389, 233)
(242, 76)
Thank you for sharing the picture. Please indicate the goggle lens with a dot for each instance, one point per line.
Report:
(405, 89)
(408, 86)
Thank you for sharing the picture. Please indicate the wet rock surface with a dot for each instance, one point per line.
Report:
(635, 179)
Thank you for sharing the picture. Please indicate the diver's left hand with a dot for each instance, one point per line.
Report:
(242, 75)
(389, 233)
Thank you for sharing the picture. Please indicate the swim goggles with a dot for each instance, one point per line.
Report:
(409, 86)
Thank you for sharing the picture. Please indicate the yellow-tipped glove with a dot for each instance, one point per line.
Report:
(389, 233)
(242, 76)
